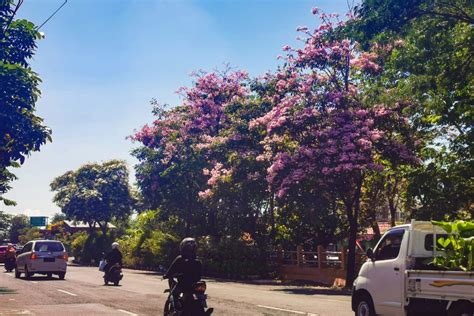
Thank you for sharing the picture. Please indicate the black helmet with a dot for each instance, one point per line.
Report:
(188, 248)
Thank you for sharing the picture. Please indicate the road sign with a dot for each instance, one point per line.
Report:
(37, 221)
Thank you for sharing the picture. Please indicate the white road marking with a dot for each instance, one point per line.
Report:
(286, 310)
(35, 282)
(126, 312)
(66, 292)
(11, 299)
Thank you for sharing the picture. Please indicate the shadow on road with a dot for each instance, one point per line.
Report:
(41, 278)
(312, 291)
(5, 290)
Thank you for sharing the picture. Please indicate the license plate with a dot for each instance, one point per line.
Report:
(49, 259)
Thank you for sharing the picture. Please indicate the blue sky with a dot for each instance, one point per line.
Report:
(103, 60)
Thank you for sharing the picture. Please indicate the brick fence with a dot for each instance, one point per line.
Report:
(322, 266)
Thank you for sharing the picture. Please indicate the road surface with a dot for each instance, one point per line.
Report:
(141, 293)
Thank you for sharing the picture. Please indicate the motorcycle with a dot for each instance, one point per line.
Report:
(114, 275)
(10, 264)
(189, 303)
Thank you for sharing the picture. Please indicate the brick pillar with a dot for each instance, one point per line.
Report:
(320, 257)
(279, 256)
(299, 256)
(343, 258)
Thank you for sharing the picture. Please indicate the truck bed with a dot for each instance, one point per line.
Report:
(440, 285)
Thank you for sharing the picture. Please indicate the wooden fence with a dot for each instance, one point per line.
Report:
(322, 266)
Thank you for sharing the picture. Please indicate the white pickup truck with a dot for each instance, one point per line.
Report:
(396, 279)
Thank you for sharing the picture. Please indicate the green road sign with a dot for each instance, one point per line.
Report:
(36, 221)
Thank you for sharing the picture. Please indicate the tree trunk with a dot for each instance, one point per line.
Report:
(272, 216)
(353, 210)
(103, 228)
(393, 211)
(375, 227)
(91, 227)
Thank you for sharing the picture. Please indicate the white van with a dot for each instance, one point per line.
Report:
(397, 279)
(46, 257)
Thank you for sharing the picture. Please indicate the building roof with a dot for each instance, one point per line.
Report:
(75, 224)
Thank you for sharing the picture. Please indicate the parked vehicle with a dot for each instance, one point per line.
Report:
(114, 275)
(397, 278)
(46, 257)
(193, 303)
(10, 264)
(3, 250)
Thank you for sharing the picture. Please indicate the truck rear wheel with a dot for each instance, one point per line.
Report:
(461, 309)
(364, 306)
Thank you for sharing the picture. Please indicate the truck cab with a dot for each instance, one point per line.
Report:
(397, 279)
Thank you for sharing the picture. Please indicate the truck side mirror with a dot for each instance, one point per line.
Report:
(370, 254)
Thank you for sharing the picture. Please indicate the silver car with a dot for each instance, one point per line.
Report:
(46, 257)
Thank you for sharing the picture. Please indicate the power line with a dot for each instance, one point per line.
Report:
(62, 5)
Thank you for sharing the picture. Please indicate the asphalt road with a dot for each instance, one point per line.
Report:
(141, 293)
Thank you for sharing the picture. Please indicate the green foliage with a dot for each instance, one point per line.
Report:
(19, 224)
(457, 248)
(5, 222)
(21, 131)
(232, 257)
(29, 234)
(95, 193)
(88, 248)
(431, 63)
(442, 189)
(57, 218)
(147, 244)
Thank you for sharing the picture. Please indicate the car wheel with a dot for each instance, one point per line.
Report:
(364, 306)
(17, 273)
(62, 275)
(49, 275)
(116, 283)
(28, 275)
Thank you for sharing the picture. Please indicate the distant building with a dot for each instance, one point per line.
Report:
(74, 227)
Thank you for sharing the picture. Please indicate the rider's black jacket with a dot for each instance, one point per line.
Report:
(113, 257)
(188, 271)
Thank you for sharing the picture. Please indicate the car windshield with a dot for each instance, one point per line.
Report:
(49, 246)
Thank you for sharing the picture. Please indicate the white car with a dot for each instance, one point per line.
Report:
(46, 257)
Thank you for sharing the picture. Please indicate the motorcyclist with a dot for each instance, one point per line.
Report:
(10, 254)
(113, 257)
(186, 267)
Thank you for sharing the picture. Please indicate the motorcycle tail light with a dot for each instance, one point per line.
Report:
(200, 287)
(34, 256)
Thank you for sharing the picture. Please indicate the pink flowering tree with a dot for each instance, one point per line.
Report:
(176, 150)
(326, 131)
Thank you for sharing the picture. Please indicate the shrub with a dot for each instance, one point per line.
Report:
(458, 247)
(88, 248)
(232, 257)
(146, 244)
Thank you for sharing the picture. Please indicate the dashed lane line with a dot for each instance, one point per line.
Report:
(286, 310)
(66, 292)
(127, 312)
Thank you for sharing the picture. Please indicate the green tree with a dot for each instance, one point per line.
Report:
(19, 225)
(58, 217)
(5, 222)
(95, 193)
(432, 63)
(21, 131)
